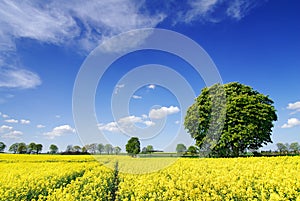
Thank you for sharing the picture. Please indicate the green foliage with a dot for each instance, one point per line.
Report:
(282, 147)
(192, 150)
(117, 150)
(295, 147)
(14, 148)
(180, 148)
(133, 146)
(31, 148)
(149, 149)
(2, 146)
(230, 118)
(100, 148)
(53, 149)
(108, 148)
(22, 148)
(39, 148)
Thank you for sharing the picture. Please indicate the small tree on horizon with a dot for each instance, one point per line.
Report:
(2, 146)
(53, 149)
(180, 148)
(133, 146)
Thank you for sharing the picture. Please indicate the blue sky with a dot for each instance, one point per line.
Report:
(43, 46)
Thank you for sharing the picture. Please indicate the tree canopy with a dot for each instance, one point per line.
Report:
(228, 119)
(133, 146)
(2, 146)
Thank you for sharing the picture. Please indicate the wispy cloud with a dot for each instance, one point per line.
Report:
(215, 11)
(136, 97)
(67, 24)
(18, 78)
(59, 131)
(118, 87)
(163, 112)
(64, 24)
(292, 122)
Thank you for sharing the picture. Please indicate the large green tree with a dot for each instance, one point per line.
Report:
(228, 119)
(133, 146)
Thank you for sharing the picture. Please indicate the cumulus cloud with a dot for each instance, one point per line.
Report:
(59, 131)
(11, 121)
(292, 122)
(8, 132)
(5, 128)
(13, 135)
(151, 86)
(111, 127)
(294, 106)
(40, 126)
(24, 121)
(163, 112)
(125, 123)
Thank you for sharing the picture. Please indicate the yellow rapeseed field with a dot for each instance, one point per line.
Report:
(47, 177)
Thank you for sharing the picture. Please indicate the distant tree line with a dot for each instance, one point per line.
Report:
(93, 148)
(22, 148)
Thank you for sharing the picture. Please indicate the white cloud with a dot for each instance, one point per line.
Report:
(18, 78)
(13, 135)
(9, 132)
(118, 87)
(59, 131)
(40, 126)
(163, 112)
(5, 116)
(294, 106)
(144, 116)
(240, 8)
(126, 121)
(151, 86)
(125, 124)
(177, 122)
(149, 123)
(136, 97)
(5, 128)
(11, 120)
(64, 24)
(112, 127)
(215, 10)
(292, 122)
(24, 121)
(199, 9)
(57, 116)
